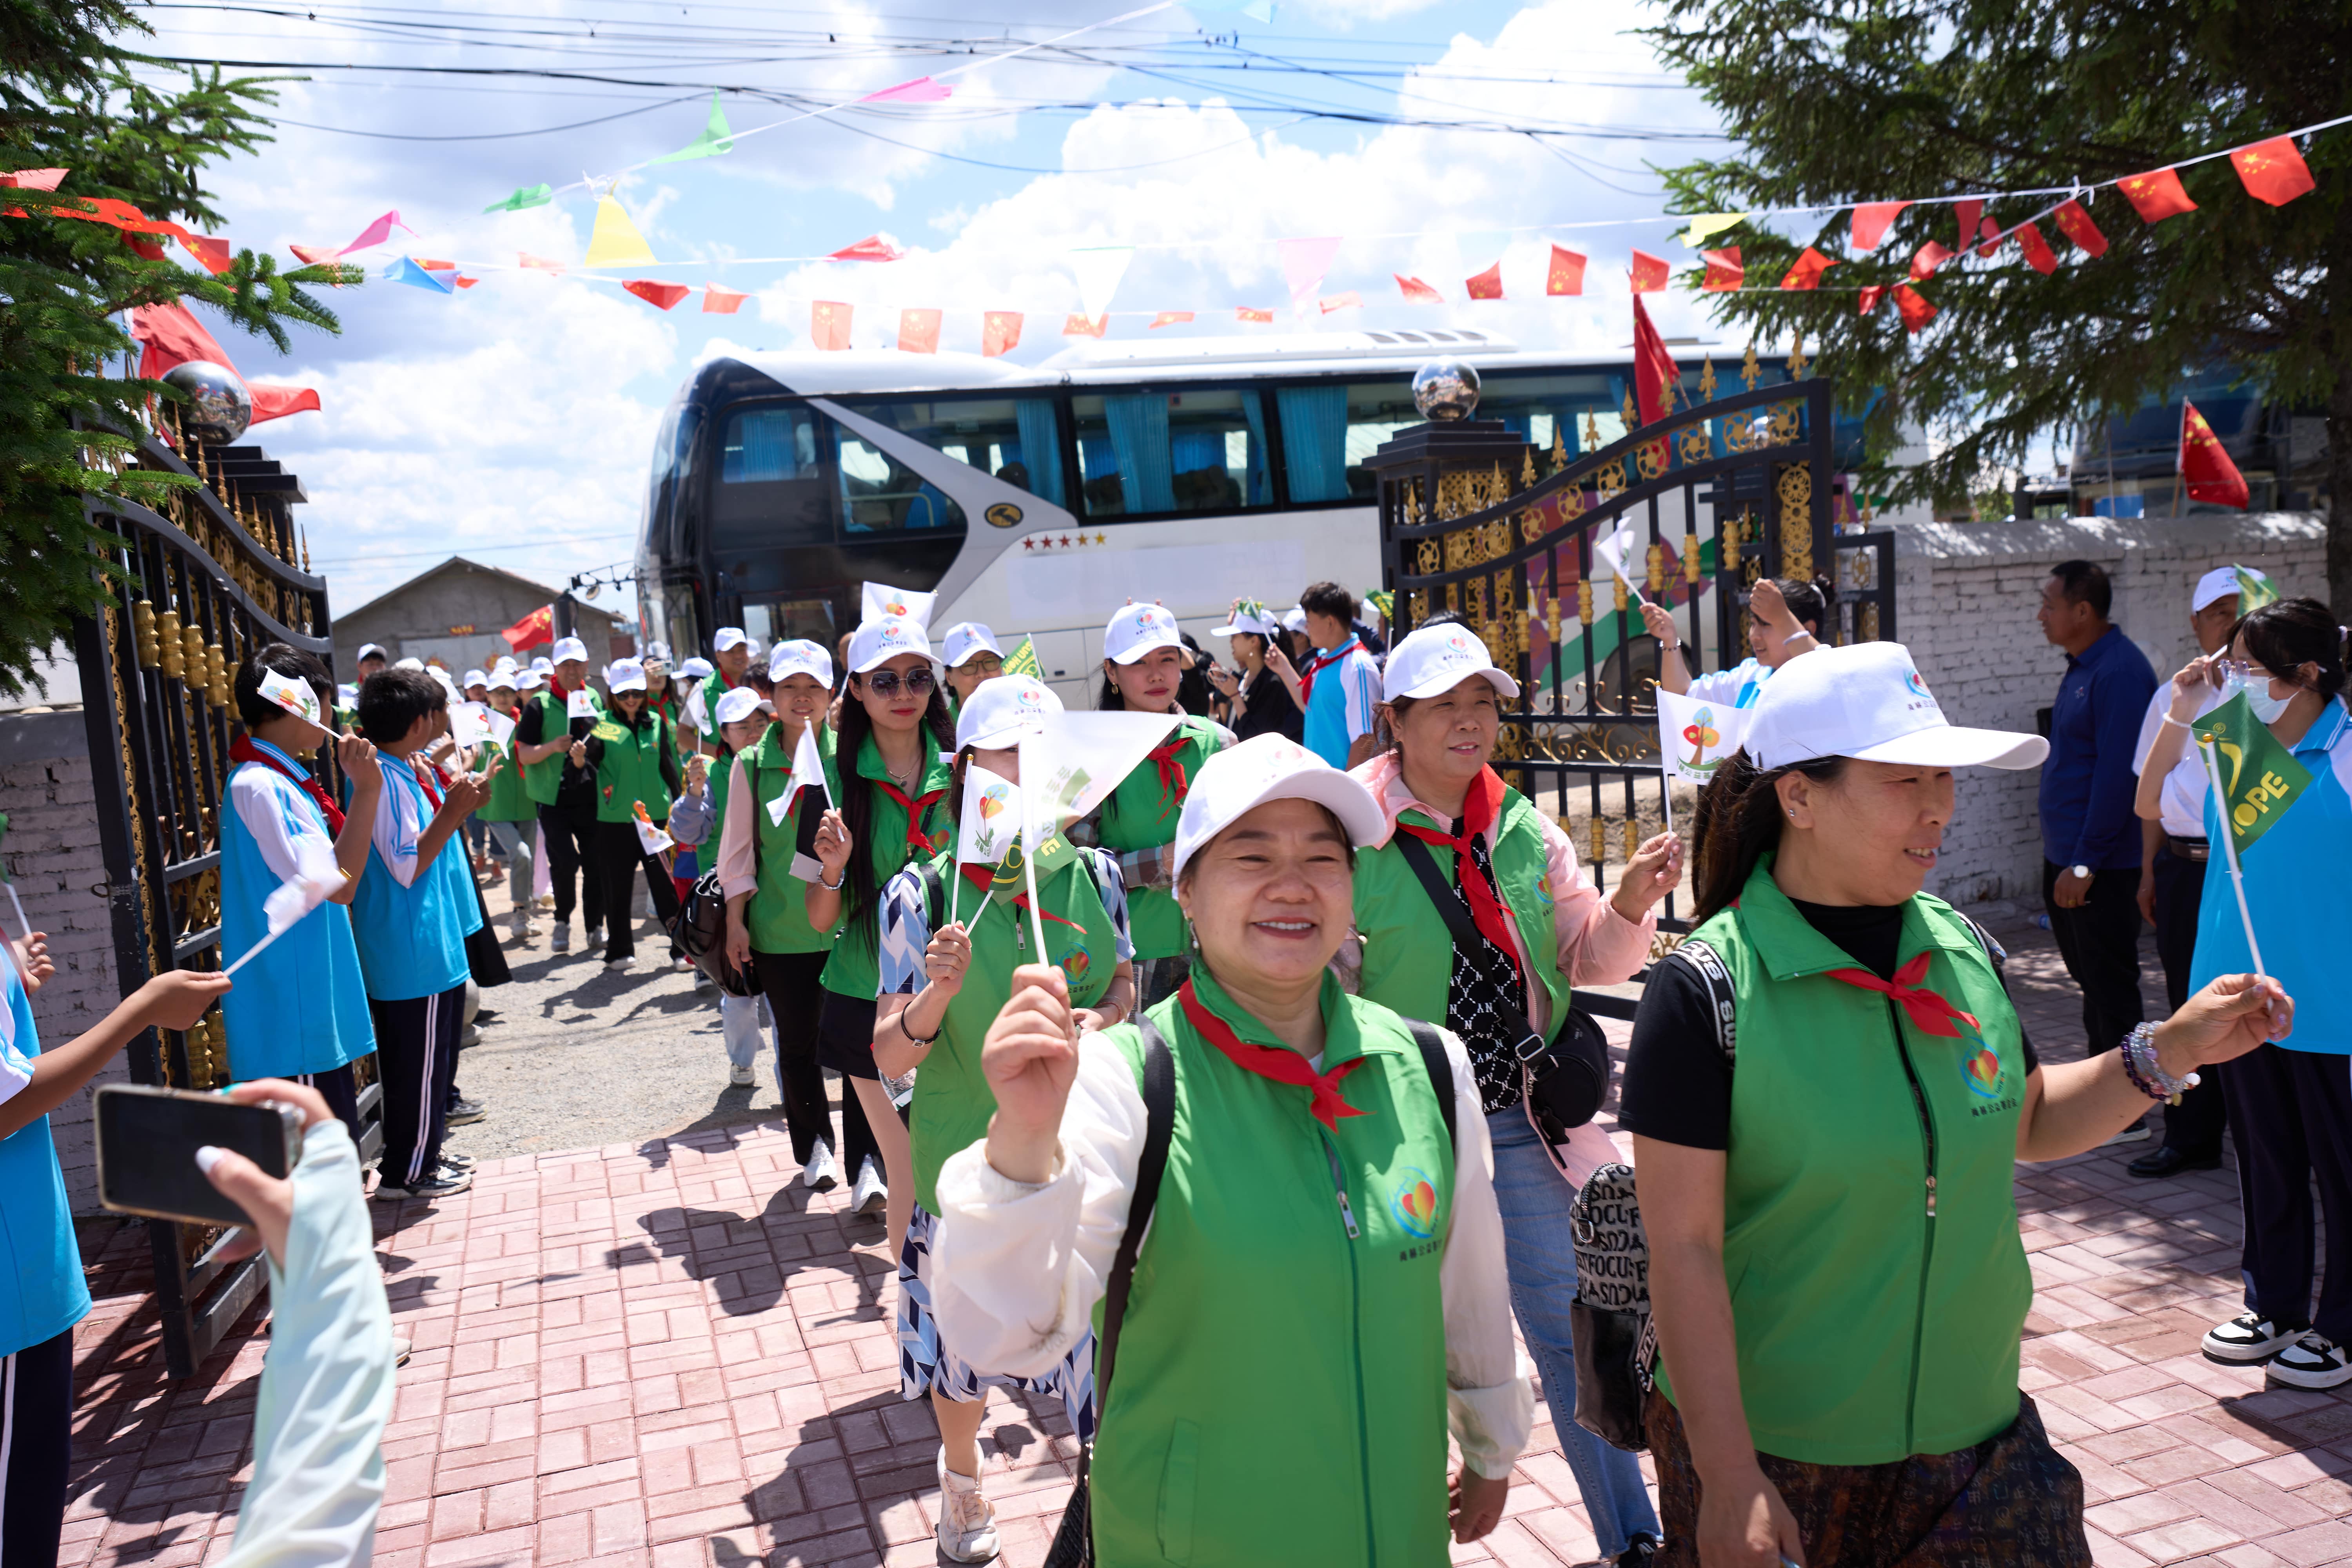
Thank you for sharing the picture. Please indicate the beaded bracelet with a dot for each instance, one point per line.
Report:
(2146, 1073)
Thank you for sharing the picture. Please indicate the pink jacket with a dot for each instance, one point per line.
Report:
(1596, 945)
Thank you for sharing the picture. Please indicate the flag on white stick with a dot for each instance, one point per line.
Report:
(881, 600)
(1611, 554)
(808, 772)
(293, 696)
(472, 724)
(1083, 757)
(989, 825)
(316, 875)
(1695, 734)
(650, 836)
(581, 704)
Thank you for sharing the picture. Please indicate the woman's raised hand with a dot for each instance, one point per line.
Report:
(2197, 677)
(1030, 1059)
(2231, 1016)
(833, 844)
(947, 956)
(1654, 871)
(1660, 622)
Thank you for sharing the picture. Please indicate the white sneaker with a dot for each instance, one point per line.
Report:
(820, 1173)
(2247, 1338)
(967, 1531)
(2137, 1132)
(615, 965)
(870, 1196)
(2314, 1361)
(562, 941)
(738, 1072)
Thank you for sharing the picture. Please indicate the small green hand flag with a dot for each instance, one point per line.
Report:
(537, 196)
(2259, 777)
(716, 138)
(2254, 590)
(1023, 660)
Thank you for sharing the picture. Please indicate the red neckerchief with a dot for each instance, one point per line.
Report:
(1320, 661)
(1274, 1061)
(916, 838)
(427, 777)
(1478, 809)
(243, 750)
(1930, 1014)
(984, 878)
(1173, 783)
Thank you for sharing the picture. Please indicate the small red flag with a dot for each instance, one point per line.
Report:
(1077, 325)
(212, 253)
(1349, 300)
(2037, 248)
(1649, 272)
(1870, 221)
(1968, 212)
(1929, 257)
(1171, 318)
(277, 402)
(1871, 297)
(1807, 271)
(2273, 171)
(314, 255)
(1654, 367)
(1488, 285)
(1913, 307)
(1252, 314)
(534, 628)
(536, 263)
(654, 292)
(1988, 231)
(919, 331)
(2076, 225)
(829, 323)
(999, 331)
(718, 301)
(873, 248)
(2156, 194)
(2204, 465)
(31, 180)
(1565, 276)
(1723, 272)
(1416, 292)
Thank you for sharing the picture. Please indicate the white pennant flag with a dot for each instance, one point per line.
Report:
(1098, 270)
(808, 772)
(581, 704)
(650, 836)
(1079, 758)
(316, 875)
(991, 819)
(295, 697)
(881, 600)
(1611, 554)
(473, 723)
(1696, 736)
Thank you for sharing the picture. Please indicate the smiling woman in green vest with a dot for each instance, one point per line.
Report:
(953, 931)
(1320, 1292)
(635, 761)
(1835, 1270)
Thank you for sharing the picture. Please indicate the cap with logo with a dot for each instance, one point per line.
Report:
(1001, 709)
(657, 653)
(371, 650)
(1136, 631)
(696, 669)
(1240, 779)
(2223, 583)
(726, 637)
(1867, 702)
(473, 677)
(737, 705)
(1249, 616)
(503, 678)
(408, 664)
(546, 666)
(505, 661)
(568, 649)
(877, 641)
(965, 639)
(625, 675)
(531, 680)
(1295, 619)
(1434, 661)
(798, 655)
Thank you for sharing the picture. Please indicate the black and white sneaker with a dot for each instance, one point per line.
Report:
(2247, 1338)
(442, 1184)
(2314, 1361)
(465, 1112)
(456, 1161)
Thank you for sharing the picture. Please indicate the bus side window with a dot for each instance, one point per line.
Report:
(881, 495)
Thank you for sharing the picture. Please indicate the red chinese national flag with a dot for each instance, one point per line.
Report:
(829, 323)
(1871, 297)
(1968, 212)
(2076, 225)
(1929, 257)
(919, 331)
(1806, 273)
(2031, 240)
(1488, 285)
(1076, 325)
(1252, 314)
(873, 248)
(1417, 292)
(2204, 466)
(2273, 171)
(1723, 272)
(1565, 273)
(1913, 307)
(1170, 319)
(718, 301)
(1989, 232)
(663, 295)
(1870, 221)
(1349, 300)
(212, 253)
(1654, 367)
(533, 629)
(2156, 194)
(1649, 272)
(999, 331)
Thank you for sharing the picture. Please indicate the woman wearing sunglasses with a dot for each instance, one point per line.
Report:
(896, 739)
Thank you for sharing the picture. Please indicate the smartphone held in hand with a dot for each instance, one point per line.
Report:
(147, 1143)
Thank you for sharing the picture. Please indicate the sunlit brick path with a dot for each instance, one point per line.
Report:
(669, 1354)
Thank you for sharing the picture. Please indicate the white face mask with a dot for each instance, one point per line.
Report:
(2266, 707)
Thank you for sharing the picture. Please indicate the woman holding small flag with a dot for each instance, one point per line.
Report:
(1261, 703)
(1297, 1313)
(953, 932)
(775, 790)
(1143, 659)
(1472, 912)
(1785, 616)
(893, 800)
(1837, 1276)
(510, 813)
(2281, 742)
(634, 760)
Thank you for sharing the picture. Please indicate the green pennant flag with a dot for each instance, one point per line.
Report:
(716, 138)
(2259, 777)
(537, 196)
(2254, 590)
(1023, 660)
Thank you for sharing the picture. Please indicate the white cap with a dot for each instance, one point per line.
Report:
(1002, 709)
(531, 680)
(726, 637)
(371, 651)
(409, 663)
(798, 655)
(546, 666)
(657, 653)
(697, 668)
(505, 661)
(473, 677)
(1240, 779)
(504, 676)
(877, 641)
(2223, 583)
(965, 639)
(1136, 630)
(737, 705)
(625, 675)
(1867, 702)
(1249, 616)
(1434, 661)
(1295, 619)
(569, 648)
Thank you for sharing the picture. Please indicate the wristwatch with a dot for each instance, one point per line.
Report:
(2084, 872)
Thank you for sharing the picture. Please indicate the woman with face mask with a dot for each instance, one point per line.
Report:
(2290, 1102)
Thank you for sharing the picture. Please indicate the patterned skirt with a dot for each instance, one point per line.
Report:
(925, 1364)
(2011, 1501)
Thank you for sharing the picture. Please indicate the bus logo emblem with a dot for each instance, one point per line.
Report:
(1003, 514)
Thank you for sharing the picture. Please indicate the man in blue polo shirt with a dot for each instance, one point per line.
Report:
(1341, 684)
(2090, 833)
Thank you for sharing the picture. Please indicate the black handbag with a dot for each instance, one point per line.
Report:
(701, 934)
(1608, 1318)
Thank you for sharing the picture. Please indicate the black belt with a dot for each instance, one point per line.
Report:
(2188, 848)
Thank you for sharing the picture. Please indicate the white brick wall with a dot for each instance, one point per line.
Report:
(1967, 593)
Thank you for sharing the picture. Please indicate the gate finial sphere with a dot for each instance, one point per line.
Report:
(1446, 389)
(218, 408)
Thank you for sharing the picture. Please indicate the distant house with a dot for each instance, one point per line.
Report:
(456, 611)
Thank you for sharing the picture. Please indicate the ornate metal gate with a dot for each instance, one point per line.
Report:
(202, 585)
(1477, 520)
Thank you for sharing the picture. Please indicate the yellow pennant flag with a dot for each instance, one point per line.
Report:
(1023, 660)
(615, 241)
(1704, 226)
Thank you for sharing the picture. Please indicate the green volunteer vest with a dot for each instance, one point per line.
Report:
(1878, 1285)
(952, 1100)
(1409, 952)
(1280, 1394)
(510, 800)
(542, 778)
(631, 770)
(777, 913)
(853, 970)
(1141, 814)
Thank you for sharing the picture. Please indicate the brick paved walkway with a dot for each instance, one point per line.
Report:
(666, 1356)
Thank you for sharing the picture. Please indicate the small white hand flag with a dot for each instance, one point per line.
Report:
(316, 875)
(650, 836)
(881, 600)
(808, 772)
(293, 696)
(581, 704)
(1696, 736)
(1609, 553)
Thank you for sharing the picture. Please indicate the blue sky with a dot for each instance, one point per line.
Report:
(513, 421)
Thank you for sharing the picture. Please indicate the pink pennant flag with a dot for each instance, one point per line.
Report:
(313, 255)
(922, 90)
(873, 248)
(376, 233)
(1304, 264)
(32, 180)
(1350, 301)
(1870, 221)
(718, 301)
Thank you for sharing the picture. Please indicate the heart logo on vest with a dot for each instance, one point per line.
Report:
(1982, 1071)
(1075, 964)
(1415, 1203)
